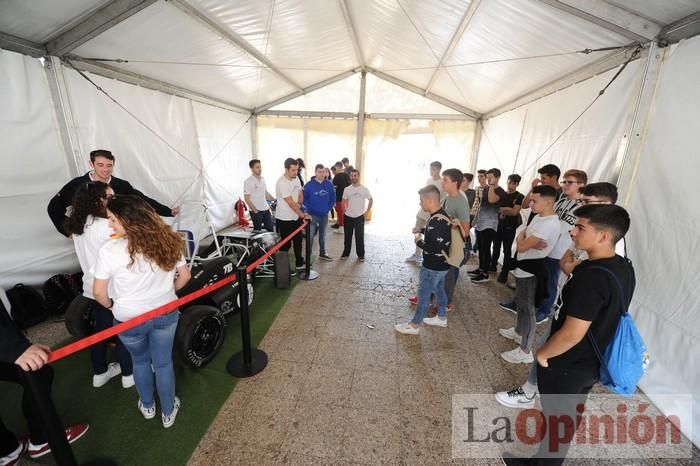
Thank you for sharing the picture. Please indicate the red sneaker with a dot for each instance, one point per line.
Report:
(73, 433)
(413, 300)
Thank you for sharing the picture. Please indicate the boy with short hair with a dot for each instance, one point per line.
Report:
(435, 244)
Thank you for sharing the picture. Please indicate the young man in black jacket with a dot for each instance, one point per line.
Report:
(436, 247)
(18, 354)
(102, 163)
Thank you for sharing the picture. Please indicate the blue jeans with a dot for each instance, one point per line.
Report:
(553, 269)
(429, 282)
(262, 218)
(152, 343)
(319, 224)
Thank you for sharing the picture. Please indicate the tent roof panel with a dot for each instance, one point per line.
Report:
(663, 13)
(385, 97)
(163, 33)
(308, 44)
(342, 96)
(40, 20)
(505, 29)
(407, 34)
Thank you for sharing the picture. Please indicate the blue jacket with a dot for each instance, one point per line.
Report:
(319, 198)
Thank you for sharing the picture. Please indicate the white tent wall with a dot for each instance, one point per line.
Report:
(161, 172)
(664, 241)
(515, 141)
(32, 169)
(225, 144)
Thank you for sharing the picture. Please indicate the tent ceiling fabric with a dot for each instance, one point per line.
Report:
(309, 41)
(661, 12)
(41, 20)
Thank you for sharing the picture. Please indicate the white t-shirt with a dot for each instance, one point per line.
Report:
(545, 228)
(87, 246)
(287, 188)
(356, 196)
(256, 188)
(136, 289)
(564, 208)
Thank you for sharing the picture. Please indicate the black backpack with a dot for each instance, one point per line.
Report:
(27, 306)
(60, 290)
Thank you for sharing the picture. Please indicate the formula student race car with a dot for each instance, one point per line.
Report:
(202, 326)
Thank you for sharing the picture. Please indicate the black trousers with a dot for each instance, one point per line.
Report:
(11, 373)
(262, 219)
(561, 390)
(485, 239)
(104, 319)
(356, 225)
(504, 237)
(285, 228)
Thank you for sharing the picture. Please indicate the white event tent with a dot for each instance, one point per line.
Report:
(185, 92)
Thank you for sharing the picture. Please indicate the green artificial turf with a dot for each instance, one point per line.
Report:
(118, 431)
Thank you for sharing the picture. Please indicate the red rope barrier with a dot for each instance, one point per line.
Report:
(86, 342)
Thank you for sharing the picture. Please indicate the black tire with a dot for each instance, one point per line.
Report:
(79, 320)
(237, 300)
(199, 336)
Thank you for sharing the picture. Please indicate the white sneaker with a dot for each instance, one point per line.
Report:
(517, 355)
(414, 258)
(168, 421)
(128, 381)
(516, 398)
(435, 321)
(510, 334)
(338, 231)
(113, 370)
(148, 413)
(406, 329)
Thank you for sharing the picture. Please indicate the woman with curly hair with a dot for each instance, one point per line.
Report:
(89, 230)
(140, 265)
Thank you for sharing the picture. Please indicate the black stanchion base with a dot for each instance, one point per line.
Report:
(313, 275)
(237, 367)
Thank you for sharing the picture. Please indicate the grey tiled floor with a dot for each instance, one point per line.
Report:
(339, 392)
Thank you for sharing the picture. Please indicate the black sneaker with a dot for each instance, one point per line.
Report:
(335, 227)
(345, 256)
(493, 269)
(362, 258)
(474, 272)
(325, 257)
(502, 277)
(509, 307)
(482, 278)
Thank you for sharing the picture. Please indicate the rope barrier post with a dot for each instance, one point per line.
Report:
(307, 273)
(249, 361)
(50, 422)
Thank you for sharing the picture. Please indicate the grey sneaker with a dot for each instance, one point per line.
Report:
(148, 413)
(168, 421)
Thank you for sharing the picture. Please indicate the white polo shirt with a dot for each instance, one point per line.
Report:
(286, 188)
(256, 188)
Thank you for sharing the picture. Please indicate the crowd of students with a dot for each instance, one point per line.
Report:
(561, 235)
(552, 239)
